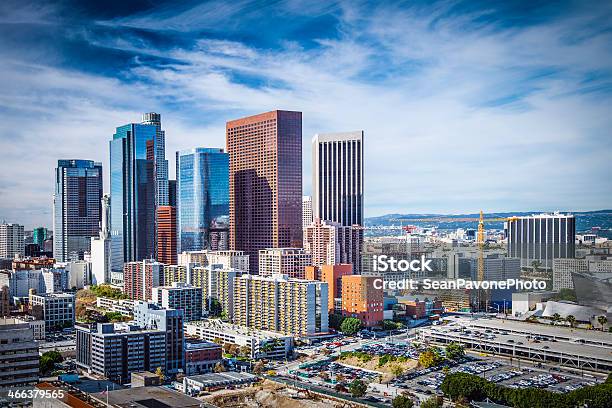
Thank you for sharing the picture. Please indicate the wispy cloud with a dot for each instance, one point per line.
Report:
(463, 107)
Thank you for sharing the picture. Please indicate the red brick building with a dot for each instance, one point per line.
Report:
(201, 356)
(362, 300)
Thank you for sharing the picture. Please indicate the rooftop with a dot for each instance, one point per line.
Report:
(219, 325)
(148, 397)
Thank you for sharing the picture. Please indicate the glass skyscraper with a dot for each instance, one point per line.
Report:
(137, 172)
(77, 207)
(202, 184)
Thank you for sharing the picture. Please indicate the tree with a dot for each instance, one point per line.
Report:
(159, 372)
(397, 370)
(571, 320)
(48, 361)
(350, 326)
(358, 388)
(602, 320)
(402, 401)
(454, 351)
(433, 402)
(114, 316)
(430, 358)
(215, 307)
(390, 325)
(335, 321)
(219, 368)
(556, 318)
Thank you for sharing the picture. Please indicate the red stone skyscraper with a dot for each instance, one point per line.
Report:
(265, 182)
(166, 235)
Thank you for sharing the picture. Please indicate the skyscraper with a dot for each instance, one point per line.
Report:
(137, 185)
(39, 235)
(166, 235)
(337, 183)
(139, 278)
(330, 243)
(77, 207)
(11, 240)
(203, 199)
(306, 211)
(101, 247)
(265, 153)
(538, 239)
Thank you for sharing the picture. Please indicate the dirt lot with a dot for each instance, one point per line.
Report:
(385, 370)
(270, 395)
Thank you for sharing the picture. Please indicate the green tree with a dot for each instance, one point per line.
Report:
(430, 358)
(335, 321)
(113, 316)
(402, 401)
(215, 309)
(350, 326)
(571, 320)
(454, 351)
(358, 388)
(48, 361)
(602, 320)
(433, 402)
(556, 318)
(397, 370)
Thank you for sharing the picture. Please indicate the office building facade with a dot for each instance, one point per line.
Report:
(332, 275)
(307, 217)
(265, 156)
(538, 239)
(137, 184)
(19, 357)
(11, 240)
(337, 183)
(181, 296)
(56, 309)
(203, 199)
(284, 261)
(77, 208)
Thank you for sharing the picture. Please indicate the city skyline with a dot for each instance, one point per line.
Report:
(474, 100)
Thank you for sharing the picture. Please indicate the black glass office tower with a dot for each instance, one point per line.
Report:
(77, 208)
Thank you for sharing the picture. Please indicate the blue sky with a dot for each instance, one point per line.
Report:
(466, 105)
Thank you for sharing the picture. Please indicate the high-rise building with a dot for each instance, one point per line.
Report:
(217, 284)
(19, 357)
(139, 180)
(77, 208)
(538, 239)
(100, 255)
(281, 304)
(332, 275)
(330, 243)
(161, 164)
(116, 350)
(11, 240)
(166, 235)
(39, 235)
(337, 177)
(284, 261)
(226, 259)
(150, 316)
(265, 153)
(140, 277)
(180, 296)
(362, 300)
(306, 211)
(174, 273)
(202, 176)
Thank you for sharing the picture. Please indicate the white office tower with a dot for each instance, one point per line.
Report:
(11, 240)
(337, 183)
(101, 248)
(306, 211)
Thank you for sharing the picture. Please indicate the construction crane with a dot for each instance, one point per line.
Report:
(480, 240)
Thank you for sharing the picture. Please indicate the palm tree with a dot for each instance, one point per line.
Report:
(602, 320)
(556, 318)
(571, 320)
